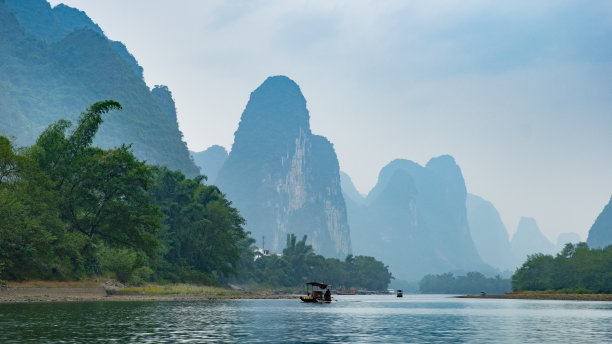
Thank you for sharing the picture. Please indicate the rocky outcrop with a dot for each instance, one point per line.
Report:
(415, 220)
(281, 177)
(600, 234)
(489, 233)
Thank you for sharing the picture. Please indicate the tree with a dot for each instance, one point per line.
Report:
(201, 230)
(576, 268)
(102, 193)
(297, 254)
(472, 283)
(29, 218)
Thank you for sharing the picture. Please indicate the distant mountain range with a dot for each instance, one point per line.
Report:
(210, 161)
(56, 62)
(283, 178)
(415, 220)
(491, 236)
(489, 233)
(529, 239)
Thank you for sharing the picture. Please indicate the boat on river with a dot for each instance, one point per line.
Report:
(345, 291)
(315, 294)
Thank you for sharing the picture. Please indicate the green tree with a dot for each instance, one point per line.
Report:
(472, 283)
(577, 268)
(102, 193)
(299, 264)
(535, 274)
(201, 230)
(29, 218)
(298, 254)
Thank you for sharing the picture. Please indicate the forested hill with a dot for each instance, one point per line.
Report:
(56, 61)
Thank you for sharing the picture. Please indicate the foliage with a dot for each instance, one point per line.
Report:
(299, 264)
(471, 283)
(575, 268)
(200, 229)
(69, 210)
(102, 193)
(29, 217)
(128, 265)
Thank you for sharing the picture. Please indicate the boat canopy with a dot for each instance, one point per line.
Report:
(317, 284)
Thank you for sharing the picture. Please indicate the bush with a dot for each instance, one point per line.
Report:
(127, 265)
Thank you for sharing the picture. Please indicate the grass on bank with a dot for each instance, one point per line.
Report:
(180, 289)
(149, 289)
(161, 289)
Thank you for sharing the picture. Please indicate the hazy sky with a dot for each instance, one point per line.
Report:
(519, 92)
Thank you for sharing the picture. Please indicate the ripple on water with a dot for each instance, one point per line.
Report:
(353, 319)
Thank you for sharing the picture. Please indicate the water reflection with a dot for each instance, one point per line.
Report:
(353, 319)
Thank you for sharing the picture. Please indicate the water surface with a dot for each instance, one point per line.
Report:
(353, 319)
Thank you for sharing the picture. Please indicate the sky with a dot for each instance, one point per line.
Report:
(518, 92)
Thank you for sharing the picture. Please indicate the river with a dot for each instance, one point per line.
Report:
(352, 319)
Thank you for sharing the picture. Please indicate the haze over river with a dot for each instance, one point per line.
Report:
(352, 319)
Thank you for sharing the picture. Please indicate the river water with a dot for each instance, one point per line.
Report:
(352, 319)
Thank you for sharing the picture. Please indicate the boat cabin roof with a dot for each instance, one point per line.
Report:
(317, 284)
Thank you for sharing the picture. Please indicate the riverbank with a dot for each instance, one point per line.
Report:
(42, 291)
(544, 296)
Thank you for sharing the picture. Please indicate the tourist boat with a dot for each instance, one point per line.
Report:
(400, 293)
(315, 294)
(345, 291)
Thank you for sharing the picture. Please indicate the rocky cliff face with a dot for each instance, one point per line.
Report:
(281, 177)
(600, 234)
(528, 239)
(415, 220)
(56, 62)
(489, 233)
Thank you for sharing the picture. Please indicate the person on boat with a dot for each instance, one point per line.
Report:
(327, 296)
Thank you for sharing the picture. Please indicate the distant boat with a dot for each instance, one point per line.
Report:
(400, 293)
(345, 291)
(314, 293)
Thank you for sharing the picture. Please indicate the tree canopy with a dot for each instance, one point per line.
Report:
(69, 209)
(576, 268)
(299, 264)
(472, 283)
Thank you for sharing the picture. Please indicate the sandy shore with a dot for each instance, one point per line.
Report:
(544, 296)
(55, 294)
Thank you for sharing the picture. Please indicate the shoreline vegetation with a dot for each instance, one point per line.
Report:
(96, 290)
(90, 290)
